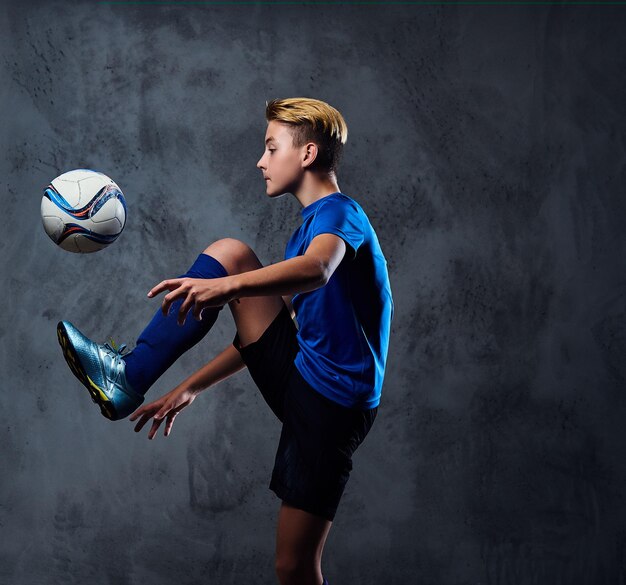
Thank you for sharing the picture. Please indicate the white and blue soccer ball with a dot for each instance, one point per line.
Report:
(83, 211)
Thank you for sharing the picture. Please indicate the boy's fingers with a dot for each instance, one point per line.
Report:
(144, 419)
(169, 299)
(165, 306)
(170, 422)
(162, 412)
(146, 411)
(158, 288)
(197, 312)
(141, 410)
(156, 412)
(155, 426)
(170, 284)
(184, 309)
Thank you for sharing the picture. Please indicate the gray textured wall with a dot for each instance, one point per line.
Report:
(487, 146)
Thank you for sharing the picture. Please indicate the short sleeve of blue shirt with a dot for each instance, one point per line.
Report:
(339, 217)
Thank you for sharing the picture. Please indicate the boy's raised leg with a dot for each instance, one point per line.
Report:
(163, 340)
(117, 381)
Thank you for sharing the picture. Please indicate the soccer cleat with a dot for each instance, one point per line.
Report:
(101, 369)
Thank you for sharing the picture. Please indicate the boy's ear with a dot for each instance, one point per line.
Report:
(311, 152)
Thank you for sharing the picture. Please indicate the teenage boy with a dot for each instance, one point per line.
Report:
(313, 331)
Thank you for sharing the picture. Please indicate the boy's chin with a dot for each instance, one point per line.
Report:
(273, 192)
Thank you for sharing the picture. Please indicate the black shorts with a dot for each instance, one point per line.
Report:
(314, 456)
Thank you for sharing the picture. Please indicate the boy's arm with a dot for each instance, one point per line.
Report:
(225, 364)
(299, 274)
(169, 405)
(302, 271)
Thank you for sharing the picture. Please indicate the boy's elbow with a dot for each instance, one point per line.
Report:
(324, 274)
(323, 271)
(320, 269)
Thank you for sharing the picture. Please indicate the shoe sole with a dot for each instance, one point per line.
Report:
(97, 394)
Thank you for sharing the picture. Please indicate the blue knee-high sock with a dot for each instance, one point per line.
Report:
(163, 341)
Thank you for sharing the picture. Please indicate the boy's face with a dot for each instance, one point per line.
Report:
(281, 162)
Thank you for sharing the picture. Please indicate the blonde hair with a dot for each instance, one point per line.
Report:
(312, 120)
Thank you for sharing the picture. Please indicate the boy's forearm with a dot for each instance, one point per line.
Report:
(225, 364)
(295, 275)
(299, 274)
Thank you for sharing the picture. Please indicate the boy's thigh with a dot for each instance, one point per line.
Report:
(270, 359)
(314, 456)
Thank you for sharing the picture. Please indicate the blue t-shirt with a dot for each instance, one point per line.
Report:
(344, 325)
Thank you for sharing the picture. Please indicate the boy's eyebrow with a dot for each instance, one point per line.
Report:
(268, 139)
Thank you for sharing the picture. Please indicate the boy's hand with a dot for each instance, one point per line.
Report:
(199, 293)
(168, 406)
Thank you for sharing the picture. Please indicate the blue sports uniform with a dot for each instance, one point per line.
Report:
(344, 326)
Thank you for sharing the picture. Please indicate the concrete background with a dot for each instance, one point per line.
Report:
(487, 146)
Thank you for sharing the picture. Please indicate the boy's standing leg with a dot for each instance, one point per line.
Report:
(300, 539)
(300, 535)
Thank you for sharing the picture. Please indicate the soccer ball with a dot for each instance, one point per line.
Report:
(83, 211)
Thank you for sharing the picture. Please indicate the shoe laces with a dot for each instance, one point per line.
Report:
(113, 347)
(115, 352)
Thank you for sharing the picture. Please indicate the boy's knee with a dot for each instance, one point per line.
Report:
(232, 245)
(287, 574)
(235, 255)
(293, 571)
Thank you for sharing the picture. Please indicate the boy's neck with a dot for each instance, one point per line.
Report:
(314, 187)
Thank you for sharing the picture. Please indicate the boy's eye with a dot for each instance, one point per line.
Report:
(271, 149)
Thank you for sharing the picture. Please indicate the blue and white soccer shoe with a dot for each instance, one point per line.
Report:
(101, 369)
